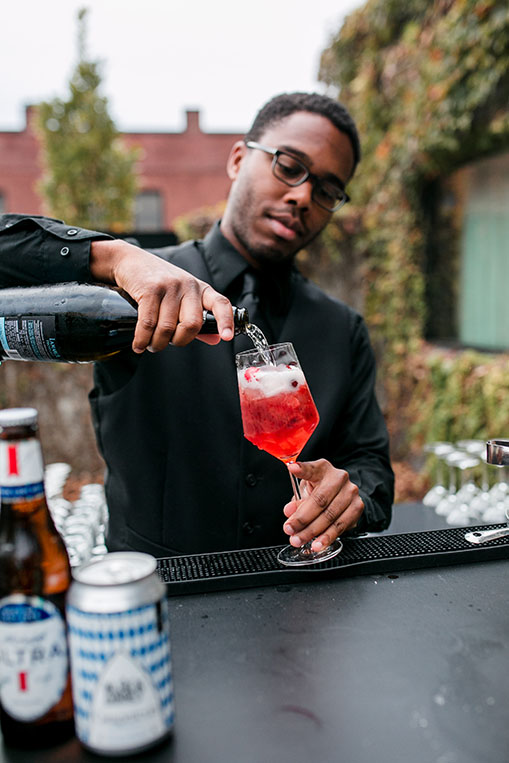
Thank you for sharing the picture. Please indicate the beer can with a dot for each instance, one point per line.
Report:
(119, 642)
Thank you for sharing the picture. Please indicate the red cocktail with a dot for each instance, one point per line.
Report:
(279, 416)
(278, 411)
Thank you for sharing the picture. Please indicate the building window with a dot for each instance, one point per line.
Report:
(148, 211)
(484, 271)
(467, 258)
(2, 203)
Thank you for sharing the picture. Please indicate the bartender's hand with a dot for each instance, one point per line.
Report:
(330, 504)
(170, 300)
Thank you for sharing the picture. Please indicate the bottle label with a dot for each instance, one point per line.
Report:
(33, 656)
(21, 470)
(30, 338)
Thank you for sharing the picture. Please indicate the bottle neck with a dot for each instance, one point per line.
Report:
(21, 481)
(21, 470)
(240, 321)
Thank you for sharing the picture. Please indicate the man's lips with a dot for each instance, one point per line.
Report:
(286, 227)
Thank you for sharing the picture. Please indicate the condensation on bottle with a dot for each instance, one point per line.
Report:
(75, 322)
(35, 689)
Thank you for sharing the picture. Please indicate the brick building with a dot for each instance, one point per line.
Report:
(178, 172)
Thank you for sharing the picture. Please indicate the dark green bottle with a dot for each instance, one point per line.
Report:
(75, 322)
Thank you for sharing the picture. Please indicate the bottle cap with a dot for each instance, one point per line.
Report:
(15, 417)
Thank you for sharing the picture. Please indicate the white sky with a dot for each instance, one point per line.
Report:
(160, 57)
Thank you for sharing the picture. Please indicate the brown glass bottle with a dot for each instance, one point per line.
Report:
(35, 688)
(75, 322)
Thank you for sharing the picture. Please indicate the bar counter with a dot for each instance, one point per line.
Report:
(412, 666)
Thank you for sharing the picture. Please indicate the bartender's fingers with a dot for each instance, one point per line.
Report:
(156, 322)
(292, 505)
(165, 294)
(190, 318)
(222, 309)
(175, 314)
(332, 506)
(197, 298)
(346, 521)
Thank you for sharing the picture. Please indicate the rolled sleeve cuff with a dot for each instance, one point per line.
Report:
(376, 517)
(62, 251)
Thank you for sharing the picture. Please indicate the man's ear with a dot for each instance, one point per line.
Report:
(237, 153)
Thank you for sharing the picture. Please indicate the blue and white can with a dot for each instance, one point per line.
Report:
(119, 642)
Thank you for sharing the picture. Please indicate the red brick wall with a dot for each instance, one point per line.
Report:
(20, 170)
(187, 168)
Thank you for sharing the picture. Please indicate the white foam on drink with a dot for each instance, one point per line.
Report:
(272, 380)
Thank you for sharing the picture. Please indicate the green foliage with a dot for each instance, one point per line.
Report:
(427, 84)
(196, 224)
(457, 395)
(89, 175)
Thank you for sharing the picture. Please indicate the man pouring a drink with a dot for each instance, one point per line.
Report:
(180, 476)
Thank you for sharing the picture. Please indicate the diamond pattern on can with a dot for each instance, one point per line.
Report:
(140, 635)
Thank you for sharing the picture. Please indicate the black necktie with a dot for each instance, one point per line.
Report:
(250, 299)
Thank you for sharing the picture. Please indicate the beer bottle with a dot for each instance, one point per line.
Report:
(75, 322)
(35, 687)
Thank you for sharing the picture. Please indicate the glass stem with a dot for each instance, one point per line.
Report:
(295, 486)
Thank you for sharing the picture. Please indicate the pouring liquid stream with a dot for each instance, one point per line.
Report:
(259, 340)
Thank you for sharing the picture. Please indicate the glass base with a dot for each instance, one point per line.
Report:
(296, 557)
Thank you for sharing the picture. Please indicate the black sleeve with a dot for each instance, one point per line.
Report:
(36, 250)
(361, 440)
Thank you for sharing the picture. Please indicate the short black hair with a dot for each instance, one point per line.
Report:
(282, 106)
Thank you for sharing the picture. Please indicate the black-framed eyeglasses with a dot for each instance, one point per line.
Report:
(293, 172)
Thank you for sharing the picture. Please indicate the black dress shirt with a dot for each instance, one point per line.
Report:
(181, 478)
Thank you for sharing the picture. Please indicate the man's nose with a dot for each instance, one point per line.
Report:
(300, 195)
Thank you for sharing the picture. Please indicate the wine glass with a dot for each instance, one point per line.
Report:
(481, 502)
(439, 490)
(447, 504)
(279, 416)
(463, 513)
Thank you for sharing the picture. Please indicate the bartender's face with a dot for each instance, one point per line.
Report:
(267, 220)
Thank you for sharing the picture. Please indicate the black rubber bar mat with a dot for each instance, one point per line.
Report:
(363, 555)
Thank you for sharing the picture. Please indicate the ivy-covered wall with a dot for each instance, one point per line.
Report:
(427, 82)
(428, 85)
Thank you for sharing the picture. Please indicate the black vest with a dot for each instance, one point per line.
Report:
(181, 478)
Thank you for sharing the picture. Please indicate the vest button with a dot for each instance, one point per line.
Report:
(248, 528)
(251, 480)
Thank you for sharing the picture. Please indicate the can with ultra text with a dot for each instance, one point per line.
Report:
(119, 643)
